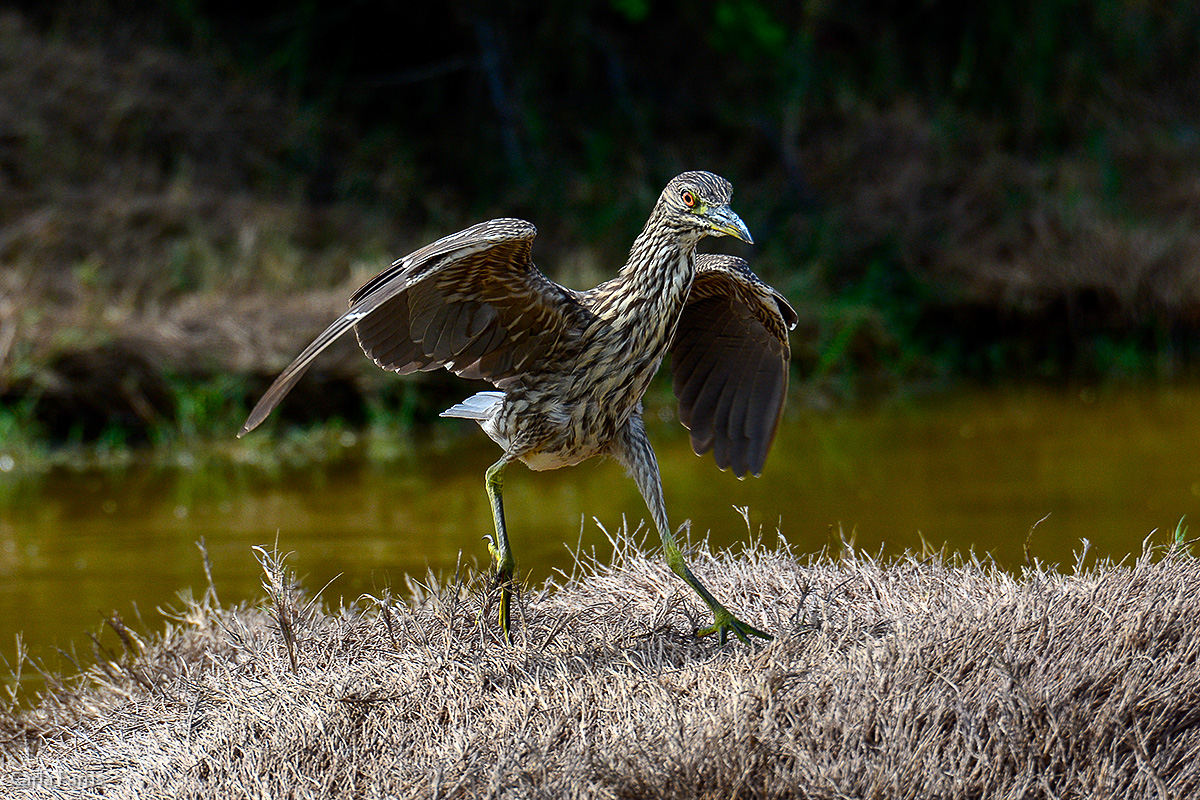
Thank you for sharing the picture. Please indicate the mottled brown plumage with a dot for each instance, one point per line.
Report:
(571, 367)
(729, 363)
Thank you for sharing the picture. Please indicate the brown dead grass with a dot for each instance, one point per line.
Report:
(150, 230)
(989, 225)
(912, 678)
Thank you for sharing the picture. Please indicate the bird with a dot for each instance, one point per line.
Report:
(570, 367)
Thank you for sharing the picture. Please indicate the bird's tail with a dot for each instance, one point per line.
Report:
(477, 406)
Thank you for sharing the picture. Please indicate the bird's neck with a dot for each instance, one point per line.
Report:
(651, 288)
(657, 240)
(635, 318)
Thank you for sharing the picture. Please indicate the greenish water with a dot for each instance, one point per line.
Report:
(973, 471)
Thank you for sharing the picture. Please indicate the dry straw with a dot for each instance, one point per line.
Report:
(917, 677)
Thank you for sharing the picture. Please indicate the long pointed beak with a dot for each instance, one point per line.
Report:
(727, 223)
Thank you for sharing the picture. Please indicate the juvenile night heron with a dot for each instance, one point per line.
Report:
(571, 367)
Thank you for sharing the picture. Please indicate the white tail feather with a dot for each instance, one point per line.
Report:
(477, 406)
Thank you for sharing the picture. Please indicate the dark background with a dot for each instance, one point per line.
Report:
(948, 192)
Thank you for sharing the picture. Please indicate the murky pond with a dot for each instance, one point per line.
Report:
(973, 471)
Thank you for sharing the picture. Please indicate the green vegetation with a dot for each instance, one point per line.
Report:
(945, 192)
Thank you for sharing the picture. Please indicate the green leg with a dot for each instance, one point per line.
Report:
(724, 622)
(635, 453)
(501, 553)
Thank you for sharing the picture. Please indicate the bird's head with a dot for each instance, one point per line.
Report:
(698, 202)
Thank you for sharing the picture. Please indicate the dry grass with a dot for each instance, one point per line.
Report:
(914, 678)
(984, 224)
(151, 234)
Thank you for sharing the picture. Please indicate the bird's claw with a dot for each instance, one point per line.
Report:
(724, 622)
(502, 580)
(491, 544)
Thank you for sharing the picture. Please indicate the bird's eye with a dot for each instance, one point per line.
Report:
(688, 198)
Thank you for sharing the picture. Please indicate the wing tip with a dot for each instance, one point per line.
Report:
(250, 425)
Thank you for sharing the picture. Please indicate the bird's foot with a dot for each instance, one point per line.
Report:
(503, 579)
(725, 623)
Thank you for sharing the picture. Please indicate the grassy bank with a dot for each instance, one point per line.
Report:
(920, 677)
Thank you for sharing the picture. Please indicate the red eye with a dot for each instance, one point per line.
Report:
(688, 199)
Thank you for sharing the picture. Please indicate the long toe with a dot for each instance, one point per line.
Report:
(725, 623)
(505, 601)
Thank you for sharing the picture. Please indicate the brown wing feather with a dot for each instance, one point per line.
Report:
(472, 302)
(729, 362)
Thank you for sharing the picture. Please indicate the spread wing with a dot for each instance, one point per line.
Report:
(472, 302)
(729, 362)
